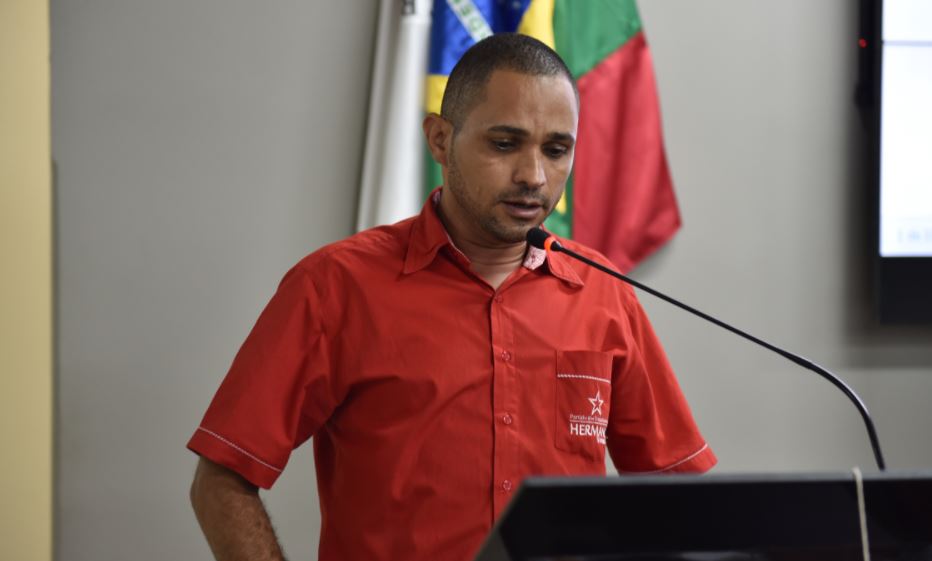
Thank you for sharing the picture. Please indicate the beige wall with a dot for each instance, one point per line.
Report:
(201, 148)
(25, 283)
(769, 161)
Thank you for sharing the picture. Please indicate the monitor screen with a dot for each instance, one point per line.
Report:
(894, 95)
(906, 129)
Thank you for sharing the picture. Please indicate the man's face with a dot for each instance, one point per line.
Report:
(508, 164)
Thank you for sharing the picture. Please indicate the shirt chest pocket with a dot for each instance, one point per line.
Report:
(583, 400)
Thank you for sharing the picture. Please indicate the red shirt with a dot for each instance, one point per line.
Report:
(430, 396)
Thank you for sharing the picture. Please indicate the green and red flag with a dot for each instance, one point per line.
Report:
(620, 198)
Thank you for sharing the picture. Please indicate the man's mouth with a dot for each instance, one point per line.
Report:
(523, 208)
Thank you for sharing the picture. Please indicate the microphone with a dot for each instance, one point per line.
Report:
(540, 239)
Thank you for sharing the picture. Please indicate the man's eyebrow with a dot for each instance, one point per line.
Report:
(508, 129)
(562, 137)
(518, 131)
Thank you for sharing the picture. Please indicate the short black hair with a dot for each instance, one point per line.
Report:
(501, 51)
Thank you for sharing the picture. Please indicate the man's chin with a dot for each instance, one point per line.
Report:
(515, 234)
(511, 230)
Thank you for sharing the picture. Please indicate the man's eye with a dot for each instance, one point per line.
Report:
(556, 151)
(503, 145)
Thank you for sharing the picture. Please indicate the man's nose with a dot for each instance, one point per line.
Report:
(529, 169)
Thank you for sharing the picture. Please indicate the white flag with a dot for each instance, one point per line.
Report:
(393, 165)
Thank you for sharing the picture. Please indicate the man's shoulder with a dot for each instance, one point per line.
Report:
(593, 278)
(375, 247)
(586, 252)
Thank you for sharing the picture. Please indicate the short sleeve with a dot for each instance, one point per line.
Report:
(278, 391)
(651, 428)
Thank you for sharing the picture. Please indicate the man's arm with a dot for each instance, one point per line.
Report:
(231, 515)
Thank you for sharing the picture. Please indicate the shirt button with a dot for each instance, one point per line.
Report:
(498, 298)
(506, 485)
(506, 418)
(506, 356)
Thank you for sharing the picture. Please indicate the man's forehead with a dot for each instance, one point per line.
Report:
(506, 79)
(516, 100)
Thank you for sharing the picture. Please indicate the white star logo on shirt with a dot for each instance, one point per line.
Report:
(596, 402)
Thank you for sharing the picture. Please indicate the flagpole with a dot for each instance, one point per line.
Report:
(372, 156)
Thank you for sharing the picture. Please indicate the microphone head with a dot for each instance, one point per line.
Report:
(537, 237)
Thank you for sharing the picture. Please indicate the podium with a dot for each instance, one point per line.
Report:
(802, 517)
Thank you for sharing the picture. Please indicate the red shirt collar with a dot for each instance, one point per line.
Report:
(428, 236)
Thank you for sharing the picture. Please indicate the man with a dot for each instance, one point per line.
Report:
(439, 361)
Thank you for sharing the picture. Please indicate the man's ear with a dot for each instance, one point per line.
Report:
(439, 134)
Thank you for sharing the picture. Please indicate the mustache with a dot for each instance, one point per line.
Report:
(525, 195)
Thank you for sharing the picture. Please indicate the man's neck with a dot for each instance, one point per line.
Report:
(493, 262)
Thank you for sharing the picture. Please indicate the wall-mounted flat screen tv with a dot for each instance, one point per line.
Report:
(895, 92)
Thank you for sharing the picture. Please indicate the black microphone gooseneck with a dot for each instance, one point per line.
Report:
(542, 240)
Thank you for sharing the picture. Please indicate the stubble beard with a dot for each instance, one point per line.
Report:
(483, 217)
